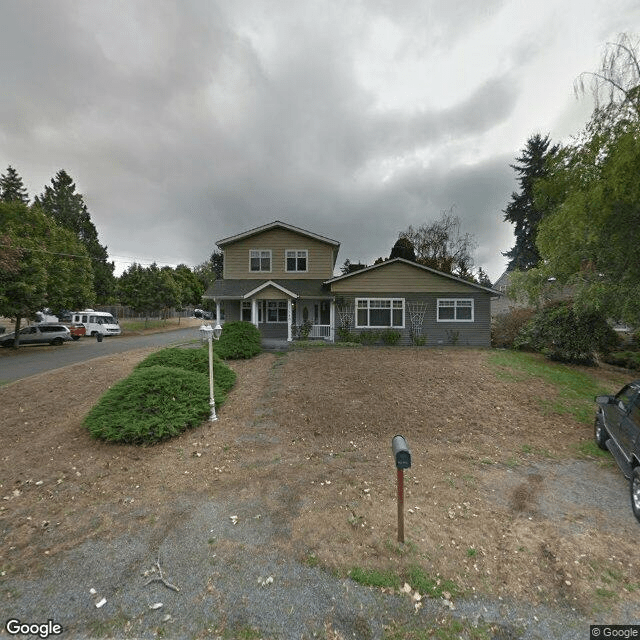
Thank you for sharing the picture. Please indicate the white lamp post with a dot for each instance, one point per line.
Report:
(209, 334)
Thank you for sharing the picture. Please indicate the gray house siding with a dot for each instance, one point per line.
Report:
(475, 334)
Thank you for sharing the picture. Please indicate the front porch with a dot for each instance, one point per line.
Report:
(284, 319)
(281, 310)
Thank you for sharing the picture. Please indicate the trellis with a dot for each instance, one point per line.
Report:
(345, 316)
(417, 311)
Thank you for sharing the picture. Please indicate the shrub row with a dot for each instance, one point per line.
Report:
(557, 330)
(627, 359)
(387, 336)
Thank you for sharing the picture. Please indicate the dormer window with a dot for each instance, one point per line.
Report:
(296, 259)
(260, 260)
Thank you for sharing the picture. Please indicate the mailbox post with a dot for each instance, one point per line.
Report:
(402, 457)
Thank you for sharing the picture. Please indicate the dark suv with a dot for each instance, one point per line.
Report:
(618, 430)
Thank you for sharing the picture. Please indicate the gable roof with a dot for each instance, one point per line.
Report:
(270, 283)
(386, 263)
(277, 224)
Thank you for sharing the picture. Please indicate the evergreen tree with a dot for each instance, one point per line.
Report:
(12, 188)
(403, 248)
(350, 267)
(217, 262)
(483, 279)
(522, 211)
(63, 204)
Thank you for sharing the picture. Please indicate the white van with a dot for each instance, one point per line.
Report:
(97, 322)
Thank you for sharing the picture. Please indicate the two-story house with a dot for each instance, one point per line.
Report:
(280, 277)
(274, 277)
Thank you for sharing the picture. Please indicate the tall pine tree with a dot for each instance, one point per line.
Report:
(12, 188)
(68, 208)
(521, 210)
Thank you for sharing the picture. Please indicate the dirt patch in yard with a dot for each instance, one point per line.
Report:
(498, 500)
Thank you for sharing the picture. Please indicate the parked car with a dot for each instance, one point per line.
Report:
(617, 428)
(202, 313)
(54, 334)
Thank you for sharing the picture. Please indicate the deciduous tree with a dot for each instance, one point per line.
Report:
(442, 246)
(589, 237)
(44, 265)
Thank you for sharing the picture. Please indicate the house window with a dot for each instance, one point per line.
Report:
(296, 260)
(380, 312)
(260, 260)
(246, 310)
(277, 311)
(455, 310)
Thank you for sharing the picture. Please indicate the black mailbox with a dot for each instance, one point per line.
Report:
(401, 452)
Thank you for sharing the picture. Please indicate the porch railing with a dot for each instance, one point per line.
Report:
(320, 331)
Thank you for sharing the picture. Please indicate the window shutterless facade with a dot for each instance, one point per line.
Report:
(379, 312)
(296, 260)
(260, 260)
(455, 309)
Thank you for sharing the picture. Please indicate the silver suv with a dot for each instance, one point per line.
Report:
(54, 334)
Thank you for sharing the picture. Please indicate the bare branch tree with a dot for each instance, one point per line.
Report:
(616, 85)
(441, 245)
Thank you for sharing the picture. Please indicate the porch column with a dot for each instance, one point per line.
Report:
(254, 311)
(289, 320)
(218, 312)
(332, 321)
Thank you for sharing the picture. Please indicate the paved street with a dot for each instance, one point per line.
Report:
(33, 359)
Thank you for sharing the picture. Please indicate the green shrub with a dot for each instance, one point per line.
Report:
(626, 359)
(418, 341)
(192, 360)
(153, 404)
(303, 330)
(238, 340)
(506, 326)
(346, 335)
(565, 334)
(369, 337)
(391, 336)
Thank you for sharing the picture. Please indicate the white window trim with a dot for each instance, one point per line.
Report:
(392, 326)
(455, 300)
(261, 251)
(297, 251)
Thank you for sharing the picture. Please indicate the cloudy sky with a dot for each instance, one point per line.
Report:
(186, 121)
